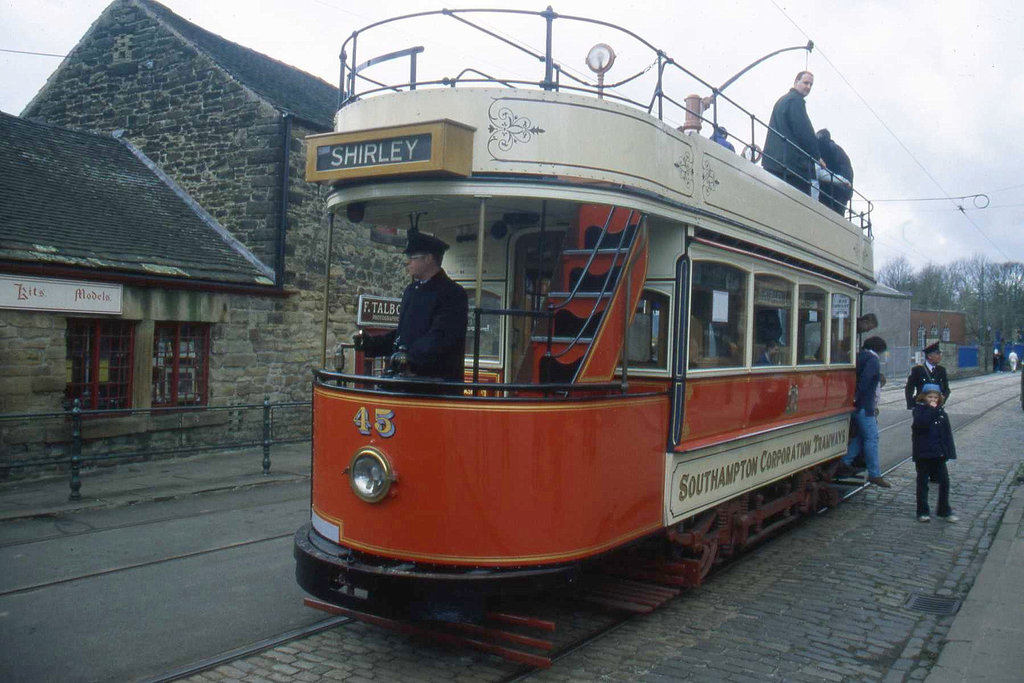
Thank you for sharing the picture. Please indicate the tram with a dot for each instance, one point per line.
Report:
(660, 353)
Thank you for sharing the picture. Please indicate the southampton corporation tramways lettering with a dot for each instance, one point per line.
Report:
(759, 466)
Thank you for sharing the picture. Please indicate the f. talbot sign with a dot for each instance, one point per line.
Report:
(438, 147)
(68, 296)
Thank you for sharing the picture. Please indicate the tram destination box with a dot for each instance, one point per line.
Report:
(438, 147)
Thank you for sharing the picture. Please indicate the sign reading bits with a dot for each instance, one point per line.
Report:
(394, 150)
(378, 311)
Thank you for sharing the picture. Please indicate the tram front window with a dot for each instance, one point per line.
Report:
(810, 348)
(490, 326)
(718, 311)
(842, 329)
(773, 311)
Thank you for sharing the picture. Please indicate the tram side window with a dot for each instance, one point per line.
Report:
(773, 313)
(811, 325)
(718, 312)
(648, 334)
(842, 329)
(490, 326)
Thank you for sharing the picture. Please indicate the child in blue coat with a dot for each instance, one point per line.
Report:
(933, 446)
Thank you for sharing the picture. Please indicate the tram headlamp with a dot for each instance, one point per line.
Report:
(370, 474)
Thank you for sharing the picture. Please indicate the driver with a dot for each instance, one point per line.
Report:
(430, 340)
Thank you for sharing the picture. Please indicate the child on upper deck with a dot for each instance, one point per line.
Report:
(933, 446)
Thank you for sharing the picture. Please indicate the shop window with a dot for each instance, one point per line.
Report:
(99, 363)
(842, 329)
(718, 311)
(181, 363)
(648, 334)
(811, 325)
(773, 313)
(945, 333)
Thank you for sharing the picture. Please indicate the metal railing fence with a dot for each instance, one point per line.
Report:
(41, 443)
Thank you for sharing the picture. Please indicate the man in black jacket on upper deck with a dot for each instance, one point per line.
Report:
(791, 147)
(430, 340)
(929, 372)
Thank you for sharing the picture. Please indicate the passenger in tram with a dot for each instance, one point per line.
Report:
(791, 148)
(869, 374)
(929, 372)
(837, 176)
(430, 340)
(771, 350)
(721, 136)
(933, 446)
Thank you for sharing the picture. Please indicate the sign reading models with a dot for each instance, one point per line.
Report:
(439, 147)
(67, 296)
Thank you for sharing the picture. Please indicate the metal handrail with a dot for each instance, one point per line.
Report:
(661, 61)
(75, 459)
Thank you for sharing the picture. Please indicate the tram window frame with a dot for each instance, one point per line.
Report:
(806, 318)
(835, 342)
(491, 299)
(717, 316)
(769, 328)
(648, 333)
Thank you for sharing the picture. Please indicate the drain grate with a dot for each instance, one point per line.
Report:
(932, 604)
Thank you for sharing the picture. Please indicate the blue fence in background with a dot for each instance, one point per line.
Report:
(967, 356)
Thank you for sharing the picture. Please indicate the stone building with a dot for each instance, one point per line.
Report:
(892, 308)
(224, 126)
(114, 288)
(227, 124)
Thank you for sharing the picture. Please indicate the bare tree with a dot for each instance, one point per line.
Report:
(898, 274)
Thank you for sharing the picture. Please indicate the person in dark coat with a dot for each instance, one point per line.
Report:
(929, 372)
(791, 147)
(837, 183)
(869, 376)
(932, 439)
(430, 340)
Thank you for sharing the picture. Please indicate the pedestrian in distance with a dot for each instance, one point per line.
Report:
(430, 340)
(933, 447)
(791, 147)
(865, 402)
(928, 372)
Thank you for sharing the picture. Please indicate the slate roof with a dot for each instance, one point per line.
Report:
(81, 200)
(285, 87)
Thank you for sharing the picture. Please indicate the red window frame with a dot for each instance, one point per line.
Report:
(100, 362)
(181, 364)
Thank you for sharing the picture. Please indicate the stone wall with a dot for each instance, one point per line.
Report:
(224, 145)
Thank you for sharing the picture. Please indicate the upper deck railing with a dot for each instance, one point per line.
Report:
(652, 83)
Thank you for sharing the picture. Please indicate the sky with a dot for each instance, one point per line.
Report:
(924, 95)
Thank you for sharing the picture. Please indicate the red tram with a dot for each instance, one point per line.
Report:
(660, 344)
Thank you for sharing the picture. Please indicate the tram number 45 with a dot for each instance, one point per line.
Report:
(383, 421)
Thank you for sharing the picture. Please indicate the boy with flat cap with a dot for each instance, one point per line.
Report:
(430, 340)
(928, 372)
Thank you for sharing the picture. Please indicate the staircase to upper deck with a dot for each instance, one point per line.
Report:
(596, 287)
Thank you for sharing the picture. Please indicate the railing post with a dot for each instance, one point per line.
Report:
(341, 79)
(476, 346)
(548, 83)
(266, 435)
(76, 450)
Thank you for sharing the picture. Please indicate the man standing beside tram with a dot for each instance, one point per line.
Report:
(928, 372)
